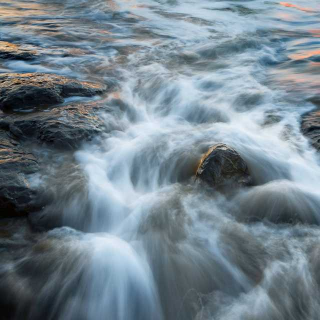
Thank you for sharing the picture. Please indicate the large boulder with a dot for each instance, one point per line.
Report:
(222, 166)
(15, 52)
(62, 127)
(311, 128)
(16, 164)
(22, 91)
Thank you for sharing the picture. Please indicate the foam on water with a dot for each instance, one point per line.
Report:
(152, 242)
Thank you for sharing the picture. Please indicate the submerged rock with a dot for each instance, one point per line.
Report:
(62, 127)
(311, 128)
(16, 163)
(279, 201)
(222, 166)
(15, 52)
(21, 91)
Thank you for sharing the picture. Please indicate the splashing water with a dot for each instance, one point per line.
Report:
(151, 243)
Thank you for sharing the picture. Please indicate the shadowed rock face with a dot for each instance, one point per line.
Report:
(63, 127)
(223, 166)
(16, 195)
(21, 91)
(12, 51)
(311, 128)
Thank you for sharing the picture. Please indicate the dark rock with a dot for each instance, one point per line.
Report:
(15, 52)
(63, 127)
(222, 166)
(315, 100)
(20, 91)
(16, 195)
(311, 128)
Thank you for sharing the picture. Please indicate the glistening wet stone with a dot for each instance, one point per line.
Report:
(62, 127)
(223, 166)
(29, 90)
(311, 128)
(16, 164)
(13, 51)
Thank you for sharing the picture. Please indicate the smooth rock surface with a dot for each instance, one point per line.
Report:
(63, 127)
(223, 166)
(15, 52)
(311, 128)
(16, 195)
(22, 91)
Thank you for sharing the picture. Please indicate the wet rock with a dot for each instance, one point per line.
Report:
(222, 166)
(315, 100)
(15, 52)
(63, 127)
(311, 128)
(16, 195)
(21, 91)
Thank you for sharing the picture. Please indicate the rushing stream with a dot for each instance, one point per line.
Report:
(129, 234)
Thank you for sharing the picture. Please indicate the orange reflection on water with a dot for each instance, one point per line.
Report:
(304, 54)
(19, 9)
(315, 32)
(290, 5)
(307, 81)
(133, 5)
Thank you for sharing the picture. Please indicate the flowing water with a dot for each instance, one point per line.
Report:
(129, 234)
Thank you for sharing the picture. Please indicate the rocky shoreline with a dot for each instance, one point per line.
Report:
(33, 112)
(48, 121)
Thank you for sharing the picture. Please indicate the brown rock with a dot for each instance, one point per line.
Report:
(15, 52)
(223, 166)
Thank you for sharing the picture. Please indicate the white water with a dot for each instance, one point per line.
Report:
(153, 243)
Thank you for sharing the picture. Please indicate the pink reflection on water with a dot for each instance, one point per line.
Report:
(290, 5)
